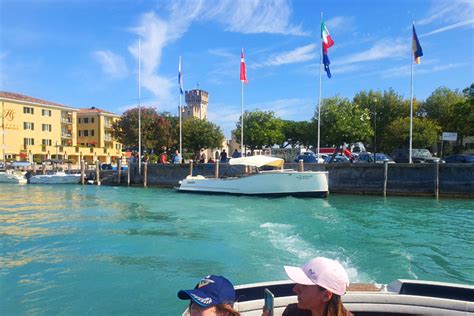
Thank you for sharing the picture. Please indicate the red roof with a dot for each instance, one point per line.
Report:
(21, 97)
(95, 110)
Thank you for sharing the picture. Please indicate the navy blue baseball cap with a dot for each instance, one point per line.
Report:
(210, 291)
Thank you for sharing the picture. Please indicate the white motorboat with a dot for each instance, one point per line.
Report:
(278, 182)
(12, 176)
(58, 177)
(400, 297)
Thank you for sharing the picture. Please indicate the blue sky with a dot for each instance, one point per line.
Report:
(84, 53)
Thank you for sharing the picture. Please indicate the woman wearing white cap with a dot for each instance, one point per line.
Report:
(320, 283)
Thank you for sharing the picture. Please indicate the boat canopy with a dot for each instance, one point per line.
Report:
(258, 161)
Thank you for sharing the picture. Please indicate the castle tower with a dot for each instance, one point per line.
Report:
(196, 104)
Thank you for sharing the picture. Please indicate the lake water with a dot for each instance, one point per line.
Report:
(105, 250)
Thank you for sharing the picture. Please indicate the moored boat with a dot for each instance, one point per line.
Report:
(277, 182)
(400, 297)
(58, 177)
(12, 176)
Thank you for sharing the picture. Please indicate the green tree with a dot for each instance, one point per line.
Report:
(425, 133)
(199, 134)
(383, 108)
(155, 129)
(298, 133)
(261, 129)
(343, 121)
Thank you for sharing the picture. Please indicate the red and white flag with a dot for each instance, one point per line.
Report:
(243, 72)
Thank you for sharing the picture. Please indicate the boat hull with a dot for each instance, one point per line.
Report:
(55, 179)
(12, 177)
(274, 183)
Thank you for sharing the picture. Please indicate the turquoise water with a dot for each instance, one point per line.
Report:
(105, 250)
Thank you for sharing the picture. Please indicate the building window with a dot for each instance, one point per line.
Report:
(46, 142)
(92, 120)
(28, 141)
(85, 133)
(28, 125)
(28, 110)
(46, 127)
(92, 132)
(46, 112)
(79, 120)
(85, 120)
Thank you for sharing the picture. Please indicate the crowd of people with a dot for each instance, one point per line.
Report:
(176, 158)
(319, 286)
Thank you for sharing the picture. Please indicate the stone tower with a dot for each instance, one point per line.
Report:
(196, 104)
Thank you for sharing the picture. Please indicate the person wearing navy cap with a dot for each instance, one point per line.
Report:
(214, 295)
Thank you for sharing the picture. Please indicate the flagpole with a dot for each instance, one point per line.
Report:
(410, 146)
(320, 89)
(242, 122)
(139, 111)
(180, 113)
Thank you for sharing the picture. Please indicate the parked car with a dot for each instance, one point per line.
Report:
(338, 159)
(369, 158)
(20, 164)
(310, 157)
(417, 156)
(460, 158)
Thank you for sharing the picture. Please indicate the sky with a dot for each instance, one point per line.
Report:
(85, 53)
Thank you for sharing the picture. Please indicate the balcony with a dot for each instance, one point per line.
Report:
(66, 120)
(108, 125)
(66, 135)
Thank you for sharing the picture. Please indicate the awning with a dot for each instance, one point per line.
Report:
(258, 161)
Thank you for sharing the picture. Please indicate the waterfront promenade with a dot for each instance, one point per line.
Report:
(445, 180)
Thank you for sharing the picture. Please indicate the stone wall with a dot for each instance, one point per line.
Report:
(456, 180)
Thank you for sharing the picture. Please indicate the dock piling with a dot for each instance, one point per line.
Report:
(385, 177)
(216, 169)
(128, 171)
(191, 167)
(145, 174)
(82, 172)
(436, 191)
(119, 169)
(300, 165)
(97, 172)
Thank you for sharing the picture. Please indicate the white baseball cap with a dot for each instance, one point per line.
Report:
(327, 273)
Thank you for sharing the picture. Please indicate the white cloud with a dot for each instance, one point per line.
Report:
(253, 16)
(384, 49)
(449, 11)
(340, 24)
(450, 27)
(111, 63)
(298, 55)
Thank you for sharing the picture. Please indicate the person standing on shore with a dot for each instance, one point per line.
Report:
(176, 157)
(236, 154)
(214, 295)
(320, 283)
(223, 156)
(163, 155)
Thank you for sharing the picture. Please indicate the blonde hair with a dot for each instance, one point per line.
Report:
(334, 307)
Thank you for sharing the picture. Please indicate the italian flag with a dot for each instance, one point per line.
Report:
(326, 37)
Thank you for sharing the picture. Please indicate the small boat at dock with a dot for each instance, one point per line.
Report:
(58, 177)
(276, 182)
(12, 176)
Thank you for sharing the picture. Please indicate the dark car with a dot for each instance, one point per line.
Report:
(417, 156)
(369, 158)
(306, 158)
(461, 158)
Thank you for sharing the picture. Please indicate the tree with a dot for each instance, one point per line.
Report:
(261, 129)
(155, 129)
(199, 134)
(383, 109)
(343, 121)
(298, 133)
(425, 133)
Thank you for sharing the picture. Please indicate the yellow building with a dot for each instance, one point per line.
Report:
(34, 130)
(94, 130)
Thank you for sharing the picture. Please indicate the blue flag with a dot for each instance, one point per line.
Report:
(180, 77)
(326, 63)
